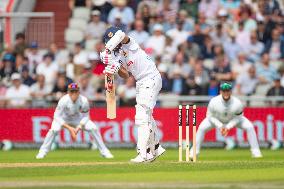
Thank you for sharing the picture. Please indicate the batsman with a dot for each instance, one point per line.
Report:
(123, 55)
(72, 112)
(226, 112)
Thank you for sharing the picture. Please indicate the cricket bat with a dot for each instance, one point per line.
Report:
(110, 96)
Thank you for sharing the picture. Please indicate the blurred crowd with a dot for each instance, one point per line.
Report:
(195, 44)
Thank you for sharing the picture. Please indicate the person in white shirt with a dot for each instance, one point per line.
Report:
(157, 41)
(49, 69)
(123, 55)
(240, 65)
(139, 34)
(39, 91)
(96, 28)
(226, 112)
(34, 56)
(72, 111)
(177, 34)
(255, 48)
(18, 94)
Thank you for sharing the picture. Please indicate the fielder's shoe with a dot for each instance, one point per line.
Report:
(140, 159)
(159, 151)
(256, 154)
(106, 154)
(40, 155)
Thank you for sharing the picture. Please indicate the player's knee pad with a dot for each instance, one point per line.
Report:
(55, 126)
(143, 115)
(90, 126)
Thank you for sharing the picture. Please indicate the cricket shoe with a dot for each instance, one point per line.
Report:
(256, 154)
(140, 159)
(160, 151)
(41, 155)
(106, 154)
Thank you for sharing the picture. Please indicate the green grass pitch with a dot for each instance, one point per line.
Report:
(216, 168)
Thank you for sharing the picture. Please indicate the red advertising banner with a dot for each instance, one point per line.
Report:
(31, 125)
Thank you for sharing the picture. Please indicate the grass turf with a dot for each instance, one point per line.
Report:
(216, 168)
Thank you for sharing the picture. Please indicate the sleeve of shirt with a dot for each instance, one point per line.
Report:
(238, 116)
(59, 111)
(210, 115)
(85, 113)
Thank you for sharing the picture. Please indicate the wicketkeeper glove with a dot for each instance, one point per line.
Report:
(112, 68)
(106, 57)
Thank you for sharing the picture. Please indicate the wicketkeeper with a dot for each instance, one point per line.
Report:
(72, 112)
(226, 112)
(123, 55)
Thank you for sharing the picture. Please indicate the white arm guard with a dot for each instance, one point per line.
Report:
(115, 40)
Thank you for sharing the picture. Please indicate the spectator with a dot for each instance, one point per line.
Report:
(246, 82)
(255, 48)
(80, 3)
(34, 56)
(39, 91)
(207, 49)
(275, 46)
(200, 76)
(20, 45)
(96, 28)
(240, 65)
(191, 7)
(166, 85)
(118, 23)
(127, 93)
(225, 21)
(144, 13)
(242, 37)
(186, 21)
(80, 59)
(232, 48)
(191, 87)
(156, 42)
(60, 56)
(213, 87)
(192, 51)
(177, 34)
(263, 34)
(218, 35)
(26, 78)
(20, 63)
(3, 90)
(179, 64)
(209, 8)
(222, 69)
(127, 15)
(86, 89)
(7, 67)
(177, 81)
(276, 90)
(49, 69)
(168, 9)
(169, 51)
(18, 94)
(265, 71)
(104, 7)
(60, 88)
(139, 34)
(246, 17)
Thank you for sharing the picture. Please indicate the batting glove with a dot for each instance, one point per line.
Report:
(106, 57)
(111, 69)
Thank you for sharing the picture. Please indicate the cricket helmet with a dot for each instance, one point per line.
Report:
(73, 87)
(226, 86)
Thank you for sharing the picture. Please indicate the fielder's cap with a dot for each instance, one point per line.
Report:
(73, 87)
(110, 33)
(15, 76)
(8, 57)
(226, 86)
(96, 13)
(34, 45)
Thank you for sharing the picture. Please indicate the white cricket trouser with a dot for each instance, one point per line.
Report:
(146, 97)
(245, 124)
(56, 127)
